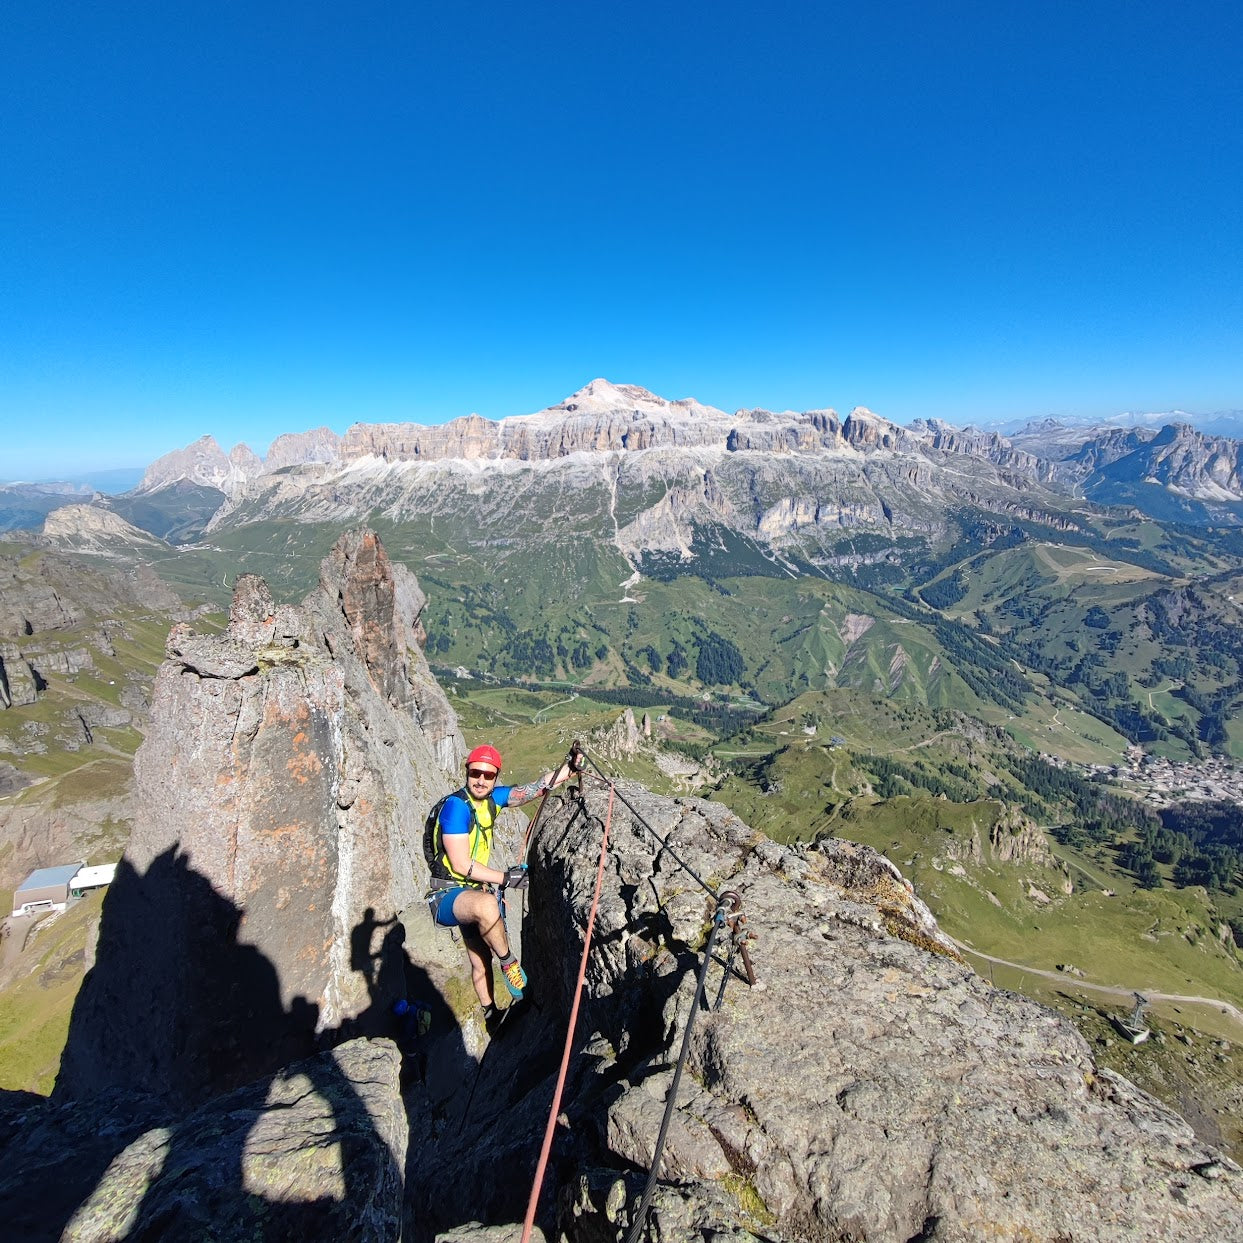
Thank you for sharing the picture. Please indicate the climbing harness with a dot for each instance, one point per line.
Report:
(728, 913)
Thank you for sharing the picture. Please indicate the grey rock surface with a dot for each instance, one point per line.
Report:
(315, 1152)
(203, 462)
(279, 797)
(871, 1086)
(18, 686)
(300, 448)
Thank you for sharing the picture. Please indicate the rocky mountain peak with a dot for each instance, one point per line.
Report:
(604, 397)
(91, 528)
(203, 463)
(1177, 456)
(279, 792)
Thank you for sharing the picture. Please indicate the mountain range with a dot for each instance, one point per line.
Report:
(1170, 471)
(622, 540)
(608, 418)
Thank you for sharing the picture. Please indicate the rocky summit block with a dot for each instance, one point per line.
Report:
(870, 1086)
(315, 1152)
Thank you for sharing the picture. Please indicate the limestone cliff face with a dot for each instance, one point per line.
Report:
(43, 595)
(31, 601)
(300, 448)
(279, 796)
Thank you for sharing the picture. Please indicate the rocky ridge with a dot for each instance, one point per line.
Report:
(1205, 468)
(599, 418)
(655, 482)
(874, 1087)
(870, 1087)
(656, 503)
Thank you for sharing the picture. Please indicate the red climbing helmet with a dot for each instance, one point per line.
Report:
(485, 755)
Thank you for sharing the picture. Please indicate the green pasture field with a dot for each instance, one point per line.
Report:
(1163, 939)
(533, 729)
(36, 1004)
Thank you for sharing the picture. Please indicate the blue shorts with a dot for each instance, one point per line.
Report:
(440, 904)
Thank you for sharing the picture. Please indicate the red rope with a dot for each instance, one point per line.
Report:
(529, 1224)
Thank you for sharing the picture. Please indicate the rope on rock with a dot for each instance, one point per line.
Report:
(550, 1129)
(664, 844)
(579, 759)
(658, 1153)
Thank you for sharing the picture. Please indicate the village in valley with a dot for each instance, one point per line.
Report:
(1162, 782)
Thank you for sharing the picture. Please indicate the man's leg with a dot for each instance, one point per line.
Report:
(479, 917)
(474, 906)
(480, 966)
(481, 913)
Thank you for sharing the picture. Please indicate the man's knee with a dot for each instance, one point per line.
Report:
(477, 908)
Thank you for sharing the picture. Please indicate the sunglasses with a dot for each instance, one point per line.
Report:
(481, 774)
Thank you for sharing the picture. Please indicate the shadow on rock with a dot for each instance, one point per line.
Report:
(192, 1101)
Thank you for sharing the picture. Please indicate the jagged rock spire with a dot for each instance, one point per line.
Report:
(280, 791)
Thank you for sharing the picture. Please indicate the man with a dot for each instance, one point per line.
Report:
(464, 884)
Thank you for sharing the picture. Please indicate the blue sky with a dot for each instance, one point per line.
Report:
(248, 219)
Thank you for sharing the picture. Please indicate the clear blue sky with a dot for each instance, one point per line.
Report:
(244, 219)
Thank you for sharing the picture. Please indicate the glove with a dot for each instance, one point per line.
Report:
(516, 877)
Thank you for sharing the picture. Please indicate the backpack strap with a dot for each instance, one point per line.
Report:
(433, 840)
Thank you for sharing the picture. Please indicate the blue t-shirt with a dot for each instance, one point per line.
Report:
(455, 814)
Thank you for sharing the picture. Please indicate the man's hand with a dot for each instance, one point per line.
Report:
(516, 877)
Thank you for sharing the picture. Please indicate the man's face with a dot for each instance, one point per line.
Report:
(480, 778)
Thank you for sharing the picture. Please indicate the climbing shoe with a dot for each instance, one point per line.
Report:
(515, 977)
(492, 1018)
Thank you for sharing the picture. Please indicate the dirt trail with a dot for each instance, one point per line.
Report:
(1113, 990)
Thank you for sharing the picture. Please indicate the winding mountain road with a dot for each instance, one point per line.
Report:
(1114, 991)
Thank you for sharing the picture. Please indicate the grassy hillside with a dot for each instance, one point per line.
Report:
(37, 991)
(1154, 654)
(1122, 622)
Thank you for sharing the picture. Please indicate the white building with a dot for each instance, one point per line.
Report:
(52, 889)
